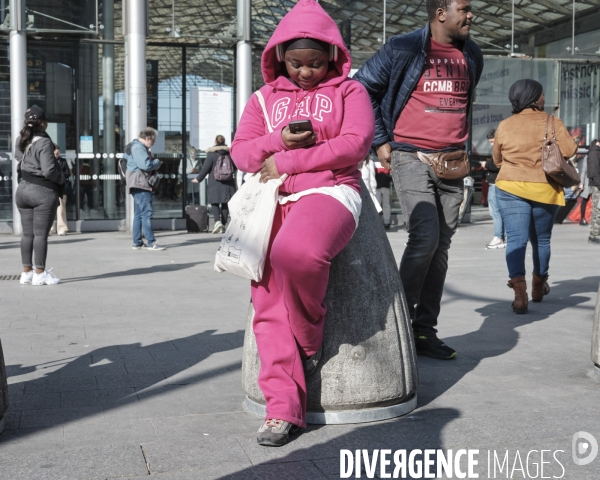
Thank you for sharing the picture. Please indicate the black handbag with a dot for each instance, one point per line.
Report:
(554, 164)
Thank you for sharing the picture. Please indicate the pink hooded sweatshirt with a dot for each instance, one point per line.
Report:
(339, 109)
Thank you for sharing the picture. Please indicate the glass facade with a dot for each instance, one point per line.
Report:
(75, 70)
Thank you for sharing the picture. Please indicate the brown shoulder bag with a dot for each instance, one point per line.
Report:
(554, 164)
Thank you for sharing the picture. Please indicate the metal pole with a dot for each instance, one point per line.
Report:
(108, 96)
(243, 57)
(95, 126)
(512, 30)
(18, 91)
(573, 33)
(135, 69)
(183, 130)
(384, 19)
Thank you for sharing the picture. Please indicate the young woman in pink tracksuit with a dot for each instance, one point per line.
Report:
(306, 77)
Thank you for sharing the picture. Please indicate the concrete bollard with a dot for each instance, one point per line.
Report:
(596, 337)
(368, 370)
(3, 390)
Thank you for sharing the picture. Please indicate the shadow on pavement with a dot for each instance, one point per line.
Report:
(168, 267)
(498, 334)
(320, 460)
(112, 377)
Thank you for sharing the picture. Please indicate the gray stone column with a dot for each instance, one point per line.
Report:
(368, 370)
(596, 337)
(108, 96)
(243, 56)
(18, 90)
(135, 21)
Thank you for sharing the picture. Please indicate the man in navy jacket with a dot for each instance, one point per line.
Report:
(421, 85)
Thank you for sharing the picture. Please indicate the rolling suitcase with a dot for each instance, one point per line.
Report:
(196, 216)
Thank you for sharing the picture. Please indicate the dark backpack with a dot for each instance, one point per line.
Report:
(122, 164)
(224, 168)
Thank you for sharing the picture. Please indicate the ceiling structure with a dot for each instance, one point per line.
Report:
(213, 22)
(208, 28)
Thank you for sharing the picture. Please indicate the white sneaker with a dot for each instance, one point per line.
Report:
(495, 243)
(155, 246)
(217, 227)
(26, 278)
(45, 278)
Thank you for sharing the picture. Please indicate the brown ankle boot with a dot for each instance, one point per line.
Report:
(539, 288)
(519, 285)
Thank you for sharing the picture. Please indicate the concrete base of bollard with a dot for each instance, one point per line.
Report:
(368, 369)
(596, 337)
(3, 391)
(344, 416)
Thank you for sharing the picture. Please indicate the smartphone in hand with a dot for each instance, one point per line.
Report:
(300, 126)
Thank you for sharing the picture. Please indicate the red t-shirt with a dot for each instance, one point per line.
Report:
(435, 116)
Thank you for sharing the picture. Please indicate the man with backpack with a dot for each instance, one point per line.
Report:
(139, 183)
(221, 181)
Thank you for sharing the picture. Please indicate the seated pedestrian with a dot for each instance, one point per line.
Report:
(305, 67)
(42, 184)
(528, 199)
(139, 168)
(221, 181)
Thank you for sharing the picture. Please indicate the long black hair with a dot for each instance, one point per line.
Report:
(27, 133)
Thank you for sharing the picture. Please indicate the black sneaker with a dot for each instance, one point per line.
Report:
(311, 363)
(594, 240)
(275, 433)
(431, 346)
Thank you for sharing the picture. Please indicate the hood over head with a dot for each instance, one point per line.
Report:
(306, 20)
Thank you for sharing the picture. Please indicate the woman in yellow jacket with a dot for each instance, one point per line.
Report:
(527, 199)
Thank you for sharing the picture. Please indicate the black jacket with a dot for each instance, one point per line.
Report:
(217, 191)
(491, 171)
(40, 166)
(593, 166)
(391, 75)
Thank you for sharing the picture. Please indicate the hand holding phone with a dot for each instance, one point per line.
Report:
(300, 126)
(299, 134)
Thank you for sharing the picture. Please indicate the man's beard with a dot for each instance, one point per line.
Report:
(460, 37)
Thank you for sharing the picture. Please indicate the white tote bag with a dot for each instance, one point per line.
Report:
(244, 246)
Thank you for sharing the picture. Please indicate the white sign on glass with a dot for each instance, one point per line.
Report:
(211, 115)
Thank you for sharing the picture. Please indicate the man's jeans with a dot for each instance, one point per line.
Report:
(499, 230)
(142, 216)
(525, 219)
(430, 209)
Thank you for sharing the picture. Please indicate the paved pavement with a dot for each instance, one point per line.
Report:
(132, 367)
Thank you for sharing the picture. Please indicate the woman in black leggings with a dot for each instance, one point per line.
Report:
(220, 187)
(42, 184)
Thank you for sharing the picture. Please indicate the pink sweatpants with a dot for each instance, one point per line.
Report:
(289, 301)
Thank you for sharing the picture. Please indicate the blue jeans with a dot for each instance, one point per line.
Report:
(142, 216)
(499, 230)
(526, 220)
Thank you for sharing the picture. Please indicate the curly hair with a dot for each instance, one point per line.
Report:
(433, 5)
(148, 132)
